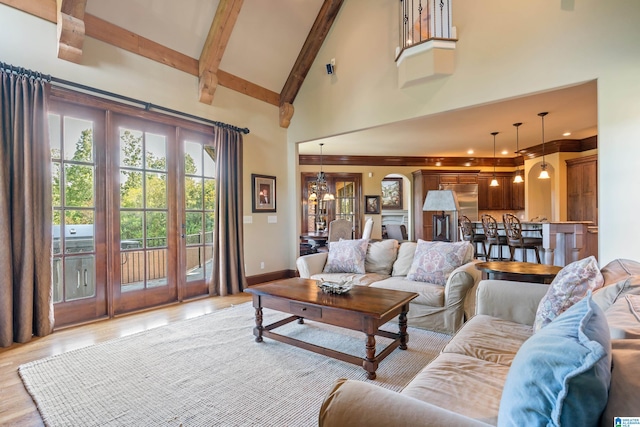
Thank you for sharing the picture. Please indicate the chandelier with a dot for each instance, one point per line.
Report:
(319, 188)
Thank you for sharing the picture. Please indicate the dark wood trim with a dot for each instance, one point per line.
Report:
(271, 276)
(560, 146)
(321, 26)
(579, 160)
(86, 100)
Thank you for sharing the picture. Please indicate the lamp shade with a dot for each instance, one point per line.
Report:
(441, 200)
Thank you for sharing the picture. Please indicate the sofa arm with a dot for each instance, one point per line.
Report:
(509, 300)
(459, 282)
(311, 264)
(356, 403)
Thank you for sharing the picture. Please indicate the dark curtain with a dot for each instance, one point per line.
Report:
(26, 305)
(228, 248)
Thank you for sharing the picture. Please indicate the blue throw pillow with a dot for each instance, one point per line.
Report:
(561, 375)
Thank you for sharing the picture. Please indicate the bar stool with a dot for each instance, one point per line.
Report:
(469, 234)
(516, 240)
(490, 226)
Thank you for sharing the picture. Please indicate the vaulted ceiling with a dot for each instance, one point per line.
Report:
(264, 49)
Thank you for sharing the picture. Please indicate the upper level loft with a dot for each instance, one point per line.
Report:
(427, 41)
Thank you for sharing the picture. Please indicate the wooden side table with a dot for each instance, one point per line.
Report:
(518, 271)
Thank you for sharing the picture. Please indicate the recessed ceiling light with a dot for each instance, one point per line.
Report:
(438, 163)
(467, 164)
(566, 134)
(470, 151)
(505, 152)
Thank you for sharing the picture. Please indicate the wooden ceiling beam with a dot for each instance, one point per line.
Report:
(119, 37)
(214, 47)
(319, 30)
(71, 29)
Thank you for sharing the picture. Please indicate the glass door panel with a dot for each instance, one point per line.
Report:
(79, 271)
(199, 212)
(145, 214)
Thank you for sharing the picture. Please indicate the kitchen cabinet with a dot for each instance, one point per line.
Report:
(506, 196)
(582, 189)
(425, 180)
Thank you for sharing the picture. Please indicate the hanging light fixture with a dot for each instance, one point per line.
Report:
(543, 172)
(494, 181)
(319, 187)
(518, 178)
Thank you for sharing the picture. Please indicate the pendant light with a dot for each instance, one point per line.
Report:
(543, 167)
(494, 181)
(518, 178)
(319, 187)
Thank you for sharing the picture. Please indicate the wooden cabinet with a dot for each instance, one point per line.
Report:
(425, 180)
(582, 189)
(506, 196)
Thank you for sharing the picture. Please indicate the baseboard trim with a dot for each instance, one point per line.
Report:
(269, 277)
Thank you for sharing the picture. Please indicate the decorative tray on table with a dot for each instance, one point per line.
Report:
(334, 287)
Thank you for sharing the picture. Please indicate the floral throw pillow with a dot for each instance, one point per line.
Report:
(346, 256)
(570, 285)
(433, 262)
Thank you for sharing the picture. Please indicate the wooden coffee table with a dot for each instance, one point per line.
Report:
(519, 271)
(362, 309)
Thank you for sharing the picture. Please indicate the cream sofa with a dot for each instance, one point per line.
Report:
(463, 385)
(387, 263)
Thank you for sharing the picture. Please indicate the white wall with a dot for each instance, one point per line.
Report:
(506, 49)
(30, 42)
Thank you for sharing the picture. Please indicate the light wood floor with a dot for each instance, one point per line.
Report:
(16, 406)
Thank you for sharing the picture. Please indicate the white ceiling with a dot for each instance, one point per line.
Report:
(267, 39)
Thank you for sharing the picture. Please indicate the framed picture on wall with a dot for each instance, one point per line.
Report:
(392, 193)
(263, 190)
(371, 204)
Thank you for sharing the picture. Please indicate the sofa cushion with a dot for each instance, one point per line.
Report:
(381, 256)
(561, 375)
(402, 265)
(489, 338)
(428, 293)
(623, 318)
(433, 262)
(619, 269)
(570, 285)
(624, 399)
(462, 384)
(346, 256)
(606, 296)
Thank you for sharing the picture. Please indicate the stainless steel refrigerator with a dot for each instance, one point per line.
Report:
(467, 199)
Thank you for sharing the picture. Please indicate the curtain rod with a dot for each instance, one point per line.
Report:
(147, 105)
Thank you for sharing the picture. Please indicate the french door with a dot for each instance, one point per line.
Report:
(144, 240)
(133, 211)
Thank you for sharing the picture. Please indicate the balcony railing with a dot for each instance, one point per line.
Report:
(424, 20)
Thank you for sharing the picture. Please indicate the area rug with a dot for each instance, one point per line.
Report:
(209, 371)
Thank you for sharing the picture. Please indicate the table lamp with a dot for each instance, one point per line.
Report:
(445, 201)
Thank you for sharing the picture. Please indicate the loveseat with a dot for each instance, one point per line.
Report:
(445, 275)
(496, 364)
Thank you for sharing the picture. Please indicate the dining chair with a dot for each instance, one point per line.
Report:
(368, 228)
(469, 234)
(490, 226)
(396, 231)
(340, 229)
(516, 240)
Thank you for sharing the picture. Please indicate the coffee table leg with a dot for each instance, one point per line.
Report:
(371, 363)
(257, 331)
(404, 337)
